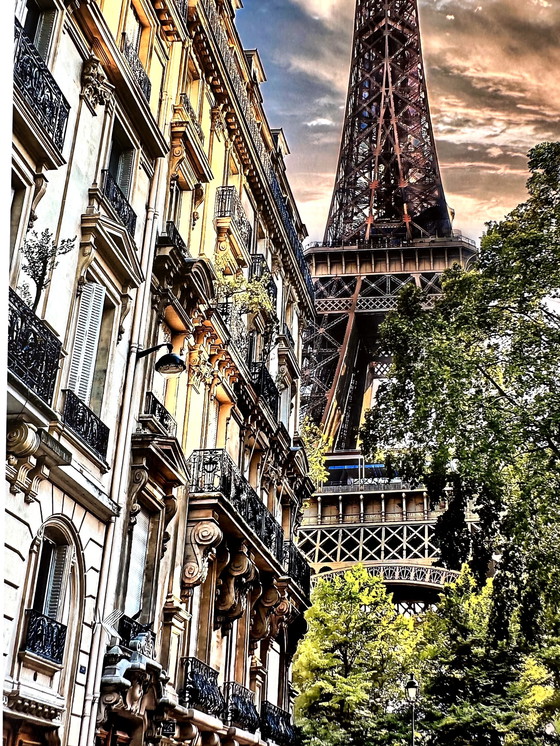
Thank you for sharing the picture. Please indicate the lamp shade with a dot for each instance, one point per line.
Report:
(412, 689)
(170, 365)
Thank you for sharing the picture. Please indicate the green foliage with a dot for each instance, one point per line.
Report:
(316, 445)
(40, 253)
(474, 401)
(250, 296)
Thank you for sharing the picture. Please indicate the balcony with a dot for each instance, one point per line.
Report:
(214, 471)
(187, 106)
(86, 424)
(136, 67)
(288, 335)
(175, 238)
(297, 567)
(44, 637)
(39, 89)
(237, 327)
(240, 707)
(118, 201)
(130, 629)
(277, 726)
(230, 215)
(265, 387)
(155, 410)
(200, 690)
(33, 350)
(258, 270)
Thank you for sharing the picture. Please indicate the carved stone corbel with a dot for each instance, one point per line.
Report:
(40, 182)
(236, 580)
(202, 539)
(260, 623)
(22, 470)
(96, 90)
(138, 481)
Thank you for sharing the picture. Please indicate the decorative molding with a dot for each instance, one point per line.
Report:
(236, 580)
(96, 90)
(202, 539)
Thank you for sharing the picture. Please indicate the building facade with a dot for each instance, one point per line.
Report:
(158, 297)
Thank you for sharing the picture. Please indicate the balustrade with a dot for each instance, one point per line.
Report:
(186, 103)
(200, 689)
(214, 471)
(240, 707)
(38, 87)
(85, 423)
(236, 325)
(118, 201)
(45, 637)
(228, 205)
(297, 566)
(277, 726)
(136, 67)
(156, 409)
(129, 629)
(33, 350)
(265, 386)
(172, 233)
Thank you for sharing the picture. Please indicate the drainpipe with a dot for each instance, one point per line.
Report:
(113, 543)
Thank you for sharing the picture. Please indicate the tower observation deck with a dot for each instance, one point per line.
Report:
(388, 226)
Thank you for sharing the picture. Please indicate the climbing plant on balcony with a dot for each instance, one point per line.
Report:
(316, 445)
(250, 296)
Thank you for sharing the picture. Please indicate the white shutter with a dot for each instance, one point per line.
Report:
(137, 565)
(124, 171)
(21, 10)
(56, 582)
(86, 340)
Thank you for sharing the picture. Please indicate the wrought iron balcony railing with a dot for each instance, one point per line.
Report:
(237, 327)
(240, 707)
(156, 409)
(136, 67)
(130, 628)
(228, 205)
(214, 471)
(38, 87)
(265, 386)
(258, 270)
(297, 567)
(118, 201)
(277, 726)
(200, 689)
(288, 334)
(85, 423)
(33, 350)
(45, 637)
(175, 237)
(186, 103)
(183, 8)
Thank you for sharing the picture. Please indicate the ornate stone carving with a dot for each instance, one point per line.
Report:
(96, 90)
(202, 538)
(237, 579)
(39, 188)
(262, 610)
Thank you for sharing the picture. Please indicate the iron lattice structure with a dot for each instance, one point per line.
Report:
(388, 227)
(388, 178)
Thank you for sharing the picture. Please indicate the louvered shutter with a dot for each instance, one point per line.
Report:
(137, 565)
(20, 10)
(86, 340)
(45, 32)
(124, 171)
(56, 582)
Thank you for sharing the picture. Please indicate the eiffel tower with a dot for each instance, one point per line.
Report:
(388, 226)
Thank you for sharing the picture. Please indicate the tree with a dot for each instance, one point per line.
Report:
(40, 253)
(350, 665)
(473, 400)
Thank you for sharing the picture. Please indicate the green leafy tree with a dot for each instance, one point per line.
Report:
(41, 257)
(473, 401)
(316, 445)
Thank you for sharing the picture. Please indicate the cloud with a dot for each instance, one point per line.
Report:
(492, 71)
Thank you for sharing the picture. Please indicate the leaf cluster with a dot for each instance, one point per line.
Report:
(41, 258)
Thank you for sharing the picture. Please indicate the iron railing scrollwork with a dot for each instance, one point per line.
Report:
(186, 103)
(33, 350)
(131, 631)
(265, 386)
(200, 689)
(118, 201)
(85, 423)
(172, 233)
(45, 637)
(277, 726)
(39, 88)
(259, 270)
(156, 409)
(228, 205)
(136, 67)
(233, 319)
(182, 8)
(213, 470)
(240, 707)
(297, 566)
(399, 573)
(289, 336)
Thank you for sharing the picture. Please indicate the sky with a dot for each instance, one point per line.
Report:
(493, 72)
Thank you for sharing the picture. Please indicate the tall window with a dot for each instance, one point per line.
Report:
(37, 19)
(133, 28)
(121, 159)
(52, 577)
(137, 565)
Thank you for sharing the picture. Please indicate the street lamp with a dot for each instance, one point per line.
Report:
(411, 688)
(170, 365)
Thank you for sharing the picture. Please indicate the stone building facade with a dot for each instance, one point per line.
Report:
(153, 590)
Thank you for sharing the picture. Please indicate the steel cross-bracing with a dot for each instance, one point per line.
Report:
(388, 227)
(388, 179)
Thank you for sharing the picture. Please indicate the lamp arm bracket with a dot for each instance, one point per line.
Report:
(144, 353)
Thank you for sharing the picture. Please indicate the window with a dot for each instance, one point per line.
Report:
(121, 159)
(137, 565)
(37, 18)
(133, 28)
(52, 576)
